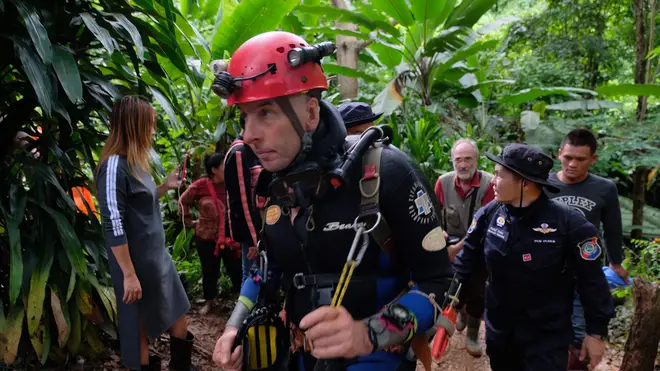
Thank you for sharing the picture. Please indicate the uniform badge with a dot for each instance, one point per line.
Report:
(472, 226)
(434, 240)
(545, 229)
(527, 257)
(500, 221)
(590, 249)
(420, 207)
(273, 214)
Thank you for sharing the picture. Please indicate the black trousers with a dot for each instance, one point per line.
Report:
(211, 267)
(506, 357)
(473, 292)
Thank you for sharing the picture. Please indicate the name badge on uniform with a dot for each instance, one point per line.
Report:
(498, 232)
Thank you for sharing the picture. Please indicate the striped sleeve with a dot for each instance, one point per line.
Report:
(113, 189)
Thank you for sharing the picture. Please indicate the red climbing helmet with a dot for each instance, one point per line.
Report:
(269, 52)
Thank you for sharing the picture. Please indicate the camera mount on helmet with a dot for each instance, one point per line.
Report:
(225, 84)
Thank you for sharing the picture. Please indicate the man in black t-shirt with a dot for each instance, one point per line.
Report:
(594, 197)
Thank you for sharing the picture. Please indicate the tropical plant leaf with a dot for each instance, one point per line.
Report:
(14, 330)
(60, 311)
(169, 14)
(40, 340)
(250, 18)
(526, 95)
(15, 256)
(93, 339)
(106, 87)
(36, 74)
(389, 98)
(165, 103)
(388, 55)
(102, 294)
(448, 40)
(348, 16)
(589, 104)
(36, 30)
(124, 23)
(332, 68)
(76, 328)
(496, 24)
(639, 90)
(210, 9)
(72, 284)
(101, 34)
(46, 174)
(35, 301)
(397, 9)
(432, 13)
(70, 241)
(449, 61)
(468, 12)
(529, 120)
(67, 72)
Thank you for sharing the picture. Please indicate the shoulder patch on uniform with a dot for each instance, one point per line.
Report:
(420, 207)
(434, 240)
(472, 226)
(273, 214)
(590, 249)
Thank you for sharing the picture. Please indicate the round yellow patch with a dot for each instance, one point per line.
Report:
(434, 240)
(273, 214)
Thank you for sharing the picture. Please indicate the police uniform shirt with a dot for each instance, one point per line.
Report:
(532, 256)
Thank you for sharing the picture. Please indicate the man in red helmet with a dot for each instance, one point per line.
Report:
(310, 224)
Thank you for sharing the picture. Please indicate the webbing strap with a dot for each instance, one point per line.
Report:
(370, 192)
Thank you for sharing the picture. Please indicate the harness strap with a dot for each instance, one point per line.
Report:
(370, 192)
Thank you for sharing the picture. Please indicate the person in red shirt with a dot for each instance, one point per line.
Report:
(211, 228)
(461, 193)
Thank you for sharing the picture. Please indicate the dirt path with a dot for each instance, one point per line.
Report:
(208, 328)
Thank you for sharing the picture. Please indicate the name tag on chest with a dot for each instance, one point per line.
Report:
(498, 232)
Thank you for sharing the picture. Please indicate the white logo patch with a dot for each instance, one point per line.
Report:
(500, 221)
(420, 206)
(337, 226)
(434, 240)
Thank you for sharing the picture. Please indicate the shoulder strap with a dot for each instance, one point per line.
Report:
(370, 192)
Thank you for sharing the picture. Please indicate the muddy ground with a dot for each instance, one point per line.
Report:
(207, 329)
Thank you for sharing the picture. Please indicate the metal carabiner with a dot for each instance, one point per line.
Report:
(263, 265)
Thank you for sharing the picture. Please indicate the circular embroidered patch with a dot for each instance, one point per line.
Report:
(590, 249)
(500, 221)
(420, 206)
(273, 214)
(434, 240)
(472, 226)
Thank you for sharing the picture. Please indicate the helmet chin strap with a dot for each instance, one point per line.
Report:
(305, 136)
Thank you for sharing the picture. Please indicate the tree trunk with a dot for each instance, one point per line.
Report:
(640, 52)
(642, 343)
(348, 50)
(639, 190)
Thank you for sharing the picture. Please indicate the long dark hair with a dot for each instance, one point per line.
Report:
(212, 161)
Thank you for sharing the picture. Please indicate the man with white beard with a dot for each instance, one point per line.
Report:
(461, 193)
